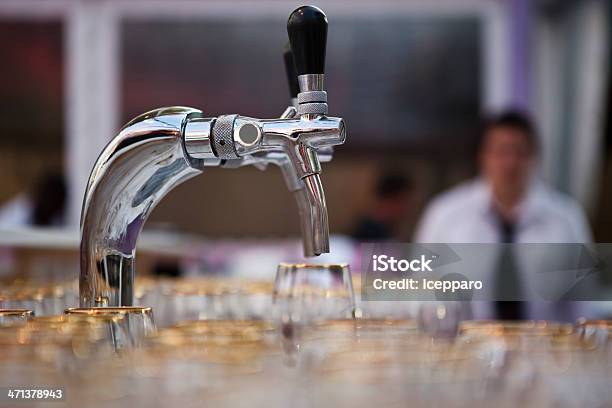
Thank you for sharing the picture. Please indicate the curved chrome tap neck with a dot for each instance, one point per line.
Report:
(159, 150)
(133, 173)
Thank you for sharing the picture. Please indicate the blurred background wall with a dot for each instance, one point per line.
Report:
(412, 79)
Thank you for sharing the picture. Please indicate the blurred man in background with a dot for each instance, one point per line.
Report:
(44, 206)
(505, 204)
(392, 201)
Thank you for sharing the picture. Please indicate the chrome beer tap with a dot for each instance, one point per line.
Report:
(313, 245)
(160, 149)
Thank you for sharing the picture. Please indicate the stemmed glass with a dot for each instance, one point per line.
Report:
(305, 294)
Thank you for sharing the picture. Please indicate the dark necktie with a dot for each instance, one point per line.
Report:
(507, 276)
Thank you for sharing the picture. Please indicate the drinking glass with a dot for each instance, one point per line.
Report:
(9, 317)
(599, 331)
(442, 319)
(305, 293)
(136, 323)
(195, 299)
(61, 343)
(528, 329)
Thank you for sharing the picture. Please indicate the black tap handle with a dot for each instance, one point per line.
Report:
(307, 28)
(292, 79)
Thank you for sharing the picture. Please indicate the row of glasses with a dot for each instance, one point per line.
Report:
(325, 291)
(223, 336)
(43, 300)
(312, 292)
(225, 363)
(400, 368)
(60, 350)
(541, 363)
(205, 299)
(47, 347)
(501, 363)
(363, 361)
(222, 362)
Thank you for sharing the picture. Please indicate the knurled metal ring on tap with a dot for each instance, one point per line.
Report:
(223, 137)
(312, 96)
(314, 108)
(312, 102)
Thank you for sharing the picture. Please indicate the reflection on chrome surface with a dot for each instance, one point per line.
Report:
(160, 149)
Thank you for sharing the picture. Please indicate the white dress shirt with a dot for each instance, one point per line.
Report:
(465, 215)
